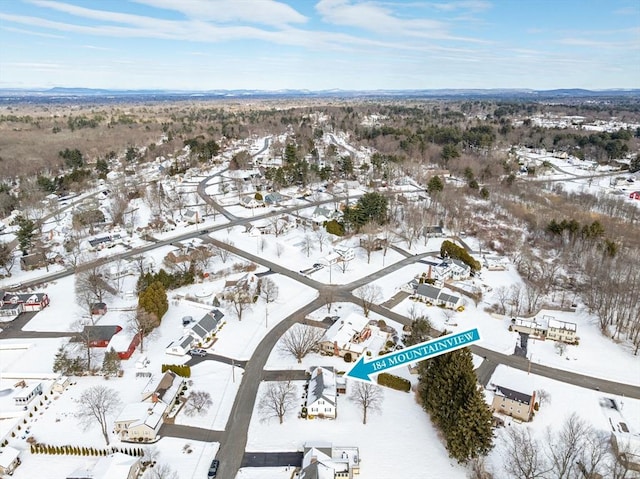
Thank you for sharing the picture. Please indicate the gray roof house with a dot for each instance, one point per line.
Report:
(207, 325)
(322, 395)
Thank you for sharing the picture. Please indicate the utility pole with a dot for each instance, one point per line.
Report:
(233, 370)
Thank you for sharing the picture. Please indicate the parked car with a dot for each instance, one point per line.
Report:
(197, 352)
(213, 469)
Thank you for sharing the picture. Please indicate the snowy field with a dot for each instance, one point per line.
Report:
(382, 451)
(591, 406)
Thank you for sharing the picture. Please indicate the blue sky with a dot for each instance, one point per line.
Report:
(320, 44)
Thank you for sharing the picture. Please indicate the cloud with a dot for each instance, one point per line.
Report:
(469, 5)
(266, 12)
(378, 18)
(31, 32)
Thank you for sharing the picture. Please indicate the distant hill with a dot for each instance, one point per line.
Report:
(60, 94)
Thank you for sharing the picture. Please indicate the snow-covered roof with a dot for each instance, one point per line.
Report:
(115, 466)
(8, 454)
(146, 413)
(557, 324)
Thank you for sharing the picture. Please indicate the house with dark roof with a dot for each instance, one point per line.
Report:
(97, 336)
(437, 296)
(513, 403)
(206, 326)
(29, 301)
(321, 394)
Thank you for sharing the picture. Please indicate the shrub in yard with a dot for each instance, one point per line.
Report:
(394, 382)
(347, 358)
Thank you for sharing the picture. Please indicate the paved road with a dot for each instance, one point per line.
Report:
(234, 439)
(272, 459)
(233, 445)
(216, 357)
(191, 432)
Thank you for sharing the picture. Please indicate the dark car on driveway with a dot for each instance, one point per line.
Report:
(213, 469)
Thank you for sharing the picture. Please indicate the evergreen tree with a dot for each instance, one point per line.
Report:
(449, 393)
(154, 300)
(25, 234)
(61, 362)
(111, 363)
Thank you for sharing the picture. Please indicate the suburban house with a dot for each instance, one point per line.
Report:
(250, 202)
(324, 461)
(562, 331)
(321, 393)
(274, 199)
(546, 328)
(192, 217)
(635, 195)
(10, 310)
(27, 394)
(528, 326)
(141, 421)
(165, 390)
(207, 326)
(446, 269)
(513, 403)
(29, 301)
(198, 332)
(9, 460)
(338, 255)
(437, 296)
(114, 466)
(353, 335)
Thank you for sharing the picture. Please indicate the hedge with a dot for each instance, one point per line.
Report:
(183, 370)
(394, 382)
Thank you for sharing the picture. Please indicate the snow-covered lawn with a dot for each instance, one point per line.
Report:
(382, 442)
(564, 399)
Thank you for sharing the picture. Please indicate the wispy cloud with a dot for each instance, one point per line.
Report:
(31, 32)
(266, 12)
(378, 18)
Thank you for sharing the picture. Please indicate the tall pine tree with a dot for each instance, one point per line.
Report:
(449, 393)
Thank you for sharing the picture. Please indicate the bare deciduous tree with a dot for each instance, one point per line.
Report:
(82, 341)
(161, 471)
(321, 237)
(560, 347)
(278, 398)
(368, 397)
(543, 397)
(523, 458)
(300, 340)
(369, 295)
(307, 244)
(369, 238)
(142, 323)
(96, 403)
(268, 290)
(198, 402)
(241, 301)
(91, 286)
(563, 448)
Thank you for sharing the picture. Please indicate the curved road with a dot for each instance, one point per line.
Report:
(234, 439)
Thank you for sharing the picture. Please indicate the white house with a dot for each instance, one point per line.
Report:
(562, 331)
(140, 421)
(114, 466)
(321, 394)
(9, 460)
(324, 461)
